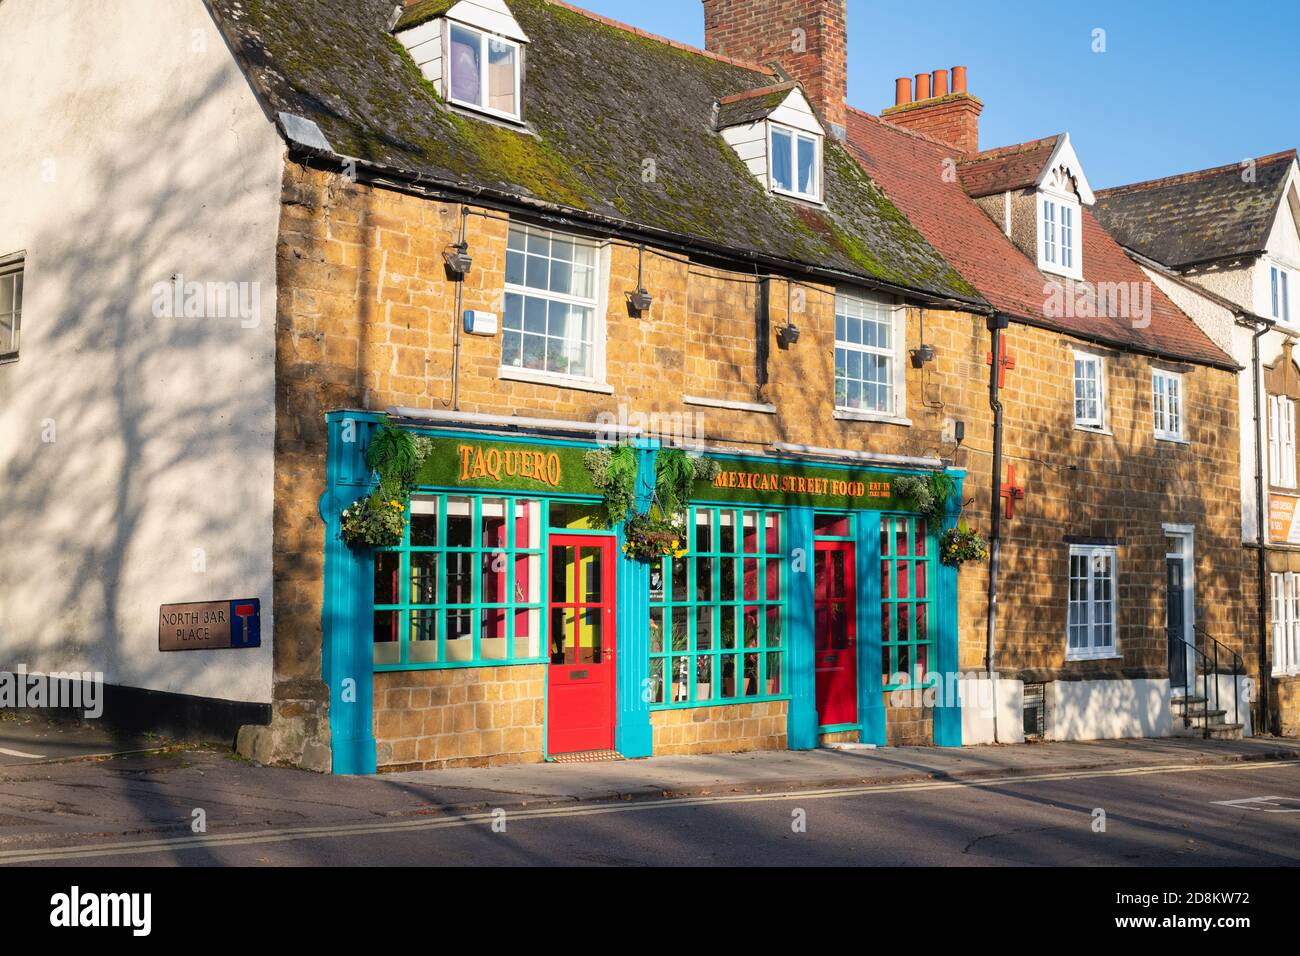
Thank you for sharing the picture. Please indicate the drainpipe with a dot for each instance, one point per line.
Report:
(458, 319)
(1259, 330)
(996, 323)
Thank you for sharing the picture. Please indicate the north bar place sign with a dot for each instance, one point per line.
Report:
(210, 625)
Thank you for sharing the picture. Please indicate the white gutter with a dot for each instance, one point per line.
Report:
(903, 461)
(435, 417)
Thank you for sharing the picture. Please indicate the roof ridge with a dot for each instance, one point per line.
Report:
(1003, 152)
(1196, 175)
(646, 34)
(903, 129)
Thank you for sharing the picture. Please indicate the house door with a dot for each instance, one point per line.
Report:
(1176, 624)
(835, 634)
(580, 700)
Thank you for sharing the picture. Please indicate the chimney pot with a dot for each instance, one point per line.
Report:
(959, 79)
(922, 86)
(902, 91)
(940, 83)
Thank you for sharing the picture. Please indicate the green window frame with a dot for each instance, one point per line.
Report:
(462, 589)
(908, 579)
(718, 618)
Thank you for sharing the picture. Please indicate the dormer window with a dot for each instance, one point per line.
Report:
(473, 54)
(484, 71)
(1059, 239)
(778, 137)
(796, 162)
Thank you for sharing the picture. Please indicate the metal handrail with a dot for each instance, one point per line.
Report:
(1211, 666)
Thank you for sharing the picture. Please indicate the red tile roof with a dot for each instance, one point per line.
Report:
(1008, 167)
(922, 177)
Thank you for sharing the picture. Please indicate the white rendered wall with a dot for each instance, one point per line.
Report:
(1108, 709)
(133, 150)
(977, 700)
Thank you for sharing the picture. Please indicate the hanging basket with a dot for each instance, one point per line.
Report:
(649, 537)
(961, 544)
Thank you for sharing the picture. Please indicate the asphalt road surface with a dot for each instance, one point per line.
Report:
(1235, 815)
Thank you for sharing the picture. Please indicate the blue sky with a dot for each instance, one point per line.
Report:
(1181, 86)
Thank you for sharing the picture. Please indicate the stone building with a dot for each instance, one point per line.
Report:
(525, 255)
(1232, 264)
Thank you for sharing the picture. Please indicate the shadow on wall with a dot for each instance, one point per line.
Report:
(136, 462)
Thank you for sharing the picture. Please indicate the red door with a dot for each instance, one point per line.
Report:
(580, 702)
(835, 637)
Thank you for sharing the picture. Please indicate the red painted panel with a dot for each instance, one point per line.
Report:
(835, 633)
(581, 678)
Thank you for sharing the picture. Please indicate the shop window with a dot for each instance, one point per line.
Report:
(1091, 617)
(1286, 624)
(907, 582)
(566, 516)
(464, 587)
(829, 525)
(717, 615)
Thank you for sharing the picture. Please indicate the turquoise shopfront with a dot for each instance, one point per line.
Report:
(803, 588)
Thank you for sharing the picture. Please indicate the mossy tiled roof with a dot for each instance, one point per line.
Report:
(599, 101)
(1221, 213)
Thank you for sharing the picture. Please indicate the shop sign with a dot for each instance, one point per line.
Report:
(1284, 519)
(210, 625)
(774, 483)
(507, 466)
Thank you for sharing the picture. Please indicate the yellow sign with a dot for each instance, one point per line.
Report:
(478, 463)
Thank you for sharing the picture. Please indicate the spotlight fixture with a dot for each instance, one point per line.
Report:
(458, 258)
(922, 356)
(788, 335)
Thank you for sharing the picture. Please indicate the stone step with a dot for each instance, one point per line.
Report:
(1224, 732)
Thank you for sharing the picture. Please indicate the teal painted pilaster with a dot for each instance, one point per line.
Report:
(801, 724)
(871, 696)
(947, 711)
(632, 733)
(347, 662)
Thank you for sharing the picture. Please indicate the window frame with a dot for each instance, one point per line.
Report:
(1088, 424)
(818, 162)
(1060, 236)
(1172, 405)
(1281, 465)
(598, 305)
(889, 527)
(896, 315)
(1276, 273)
(662, 610)
(1284, 622)
(1093, 651)
(484, 37)
(475, 552)
(14, 265)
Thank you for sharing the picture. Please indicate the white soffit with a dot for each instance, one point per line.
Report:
(493, 16)
(1064, 155)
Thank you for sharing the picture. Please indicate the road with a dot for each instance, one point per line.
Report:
(1151, 816)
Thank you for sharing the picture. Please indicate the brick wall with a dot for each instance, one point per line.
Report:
(763, 31)
(723, 729)
(908, 726)
(460, 717)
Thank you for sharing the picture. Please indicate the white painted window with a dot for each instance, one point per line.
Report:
(1049, 231)
(1281, 441)
(868, 354)
(1167, 404)
(1089, 391)
(1286, 623)
(483, 71)
(11, 308)
(552, 325)
(1280, 296)
(796, 160)
(1090, 630)
(1060, 217)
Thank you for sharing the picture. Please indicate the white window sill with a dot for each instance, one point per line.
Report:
(799, 197)
(854, 415)
(757, 407)
(1173, 439)
(486, 112)
(550, 378)
(1093, 429)
(1294, 672)
(1077, 658)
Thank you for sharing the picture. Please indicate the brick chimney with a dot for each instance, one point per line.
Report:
(808, 39)
(950, 117)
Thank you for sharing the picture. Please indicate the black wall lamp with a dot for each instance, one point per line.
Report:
(641, 299)
(923, 355)
(787, 335)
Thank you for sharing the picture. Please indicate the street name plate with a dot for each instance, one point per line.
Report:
(210, 625)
